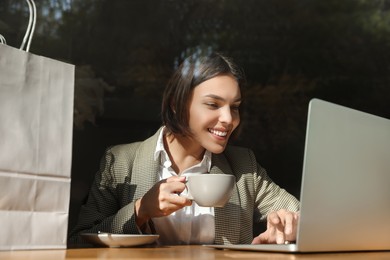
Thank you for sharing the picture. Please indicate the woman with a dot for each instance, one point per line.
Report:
(136, 189)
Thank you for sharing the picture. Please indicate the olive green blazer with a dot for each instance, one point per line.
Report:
(128, 171)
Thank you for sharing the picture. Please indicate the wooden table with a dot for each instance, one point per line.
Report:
(177, 253)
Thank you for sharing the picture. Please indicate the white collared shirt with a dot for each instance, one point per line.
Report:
(189, 225)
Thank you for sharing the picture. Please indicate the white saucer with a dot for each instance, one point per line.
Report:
(119, 240)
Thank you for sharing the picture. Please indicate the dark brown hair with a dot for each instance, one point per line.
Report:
(192, 71)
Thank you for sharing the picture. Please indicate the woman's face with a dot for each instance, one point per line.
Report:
(214, 112)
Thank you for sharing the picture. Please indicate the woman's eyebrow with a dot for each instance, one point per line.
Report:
(238, 99)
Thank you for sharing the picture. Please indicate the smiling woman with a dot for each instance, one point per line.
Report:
(136, 190)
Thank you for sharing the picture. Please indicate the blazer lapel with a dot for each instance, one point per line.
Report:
(227, 218)
(145, 168)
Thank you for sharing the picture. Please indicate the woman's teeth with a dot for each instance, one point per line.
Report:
(219, 133)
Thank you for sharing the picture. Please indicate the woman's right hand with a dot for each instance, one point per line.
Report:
(161, 200)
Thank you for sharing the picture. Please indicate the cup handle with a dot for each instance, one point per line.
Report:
(186, 193)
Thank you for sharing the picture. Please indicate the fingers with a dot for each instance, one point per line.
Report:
(172, 185)
(162, 199)
(176, 179)
(281, 228)
(276, 227)
(167, 195)
(261, 239)
(286, 228)
(178, 189)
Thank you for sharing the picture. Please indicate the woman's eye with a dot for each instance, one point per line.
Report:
(235, 108)
(212, 105)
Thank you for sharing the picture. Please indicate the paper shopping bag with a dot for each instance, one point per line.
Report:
(36, 122)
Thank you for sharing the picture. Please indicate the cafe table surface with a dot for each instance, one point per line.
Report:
(177, 253)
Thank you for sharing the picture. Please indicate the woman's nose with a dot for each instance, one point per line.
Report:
(226, 115)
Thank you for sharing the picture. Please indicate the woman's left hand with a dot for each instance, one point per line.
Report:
(281, 228)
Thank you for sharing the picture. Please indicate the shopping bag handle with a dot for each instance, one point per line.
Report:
(2, 39)
(30, 27)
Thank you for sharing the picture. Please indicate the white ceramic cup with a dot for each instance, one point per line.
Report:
(209, 190)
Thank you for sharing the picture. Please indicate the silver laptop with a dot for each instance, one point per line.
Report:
(345, 192)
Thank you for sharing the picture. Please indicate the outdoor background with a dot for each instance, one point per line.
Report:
(290, 50)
